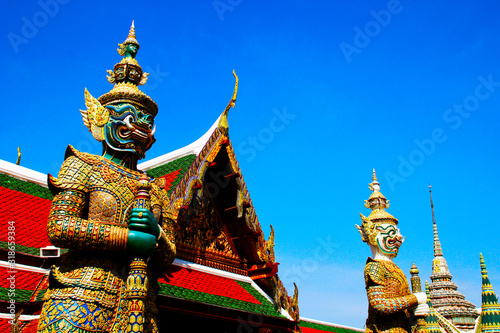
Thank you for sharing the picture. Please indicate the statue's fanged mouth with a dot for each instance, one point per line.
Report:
(129, 129)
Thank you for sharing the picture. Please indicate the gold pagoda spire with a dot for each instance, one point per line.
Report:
(444, 294)
(437, 244)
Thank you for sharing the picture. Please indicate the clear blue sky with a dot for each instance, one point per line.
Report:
(328, 91)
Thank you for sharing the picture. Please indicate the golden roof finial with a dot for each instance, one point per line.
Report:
(18, 162)
(223, 119)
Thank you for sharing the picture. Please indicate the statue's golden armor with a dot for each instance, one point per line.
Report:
(389, 297)
(89, 216)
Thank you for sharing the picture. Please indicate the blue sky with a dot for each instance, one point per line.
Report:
(328, 91)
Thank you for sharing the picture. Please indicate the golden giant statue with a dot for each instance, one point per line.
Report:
(114, 220)
(390, 302)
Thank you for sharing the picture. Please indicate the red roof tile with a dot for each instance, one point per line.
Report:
(29, 214)
(170, 178)
(206, 283)
(23, 279)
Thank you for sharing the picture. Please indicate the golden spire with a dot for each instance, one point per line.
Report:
(437, 244)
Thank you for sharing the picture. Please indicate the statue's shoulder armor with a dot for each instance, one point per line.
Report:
(375, 271)
(74, 173)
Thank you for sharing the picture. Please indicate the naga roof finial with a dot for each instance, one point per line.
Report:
(223, 119)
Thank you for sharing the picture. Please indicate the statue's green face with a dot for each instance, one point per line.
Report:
(130, 50)
(388, 239)
(129, 129)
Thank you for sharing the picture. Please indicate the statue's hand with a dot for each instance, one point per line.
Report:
(143, 220)
(422, 310)
(141, 243)
(421, 297)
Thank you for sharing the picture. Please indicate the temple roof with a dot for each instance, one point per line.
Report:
(232, 268)
(15, 196)
(30, 284)
(197, 283)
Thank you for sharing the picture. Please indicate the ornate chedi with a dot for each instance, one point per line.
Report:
(117, 226)
(490, 309)
(444, 294)
(390, 302)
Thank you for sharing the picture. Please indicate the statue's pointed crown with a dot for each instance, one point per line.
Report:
(126, 76)
(130, 38)
(377, 202)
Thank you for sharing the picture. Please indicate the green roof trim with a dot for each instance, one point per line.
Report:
(326, 328)
(26, 249)
(182, 164)
(265, 308)
(21, 295)
(25, 187)
(21, 248)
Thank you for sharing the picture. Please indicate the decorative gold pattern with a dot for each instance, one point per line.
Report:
(389, 297)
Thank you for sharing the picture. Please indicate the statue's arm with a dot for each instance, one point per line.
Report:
(67, 228)
(166, 250)
(381, 303)
(375, 279)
